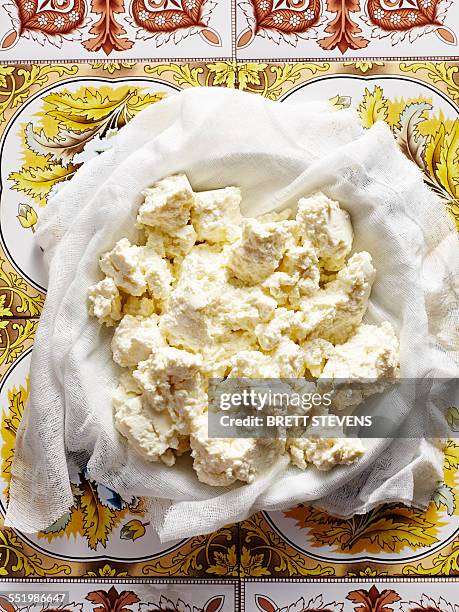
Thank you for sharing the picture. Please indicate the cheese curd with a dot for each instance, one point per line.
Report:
(208, 293)
(167, 204)
(105, 302)
(135, 338)
(216, 215)
(259, 250)
(328, 227)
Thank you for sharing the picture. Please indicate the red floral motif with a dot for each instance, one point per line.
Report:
(373, 600)
(112, 601)
(397, 18)
(286, 18)
(109, 34)
(52, 21)
(184, 17)
(343, 31)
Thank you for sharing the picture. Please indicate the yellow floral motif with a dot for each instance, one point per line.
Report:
(15, 559)
(38, 182)
(437, 72)
(66, 124)
(5, 71)
(268, 81)
(367, 572)
(212, 552)
(386, 528)
(339, 102)
(106, 572)
(363, 66)
(112, 67)
(27, 216)
(225, 563)
(252, 565)
(183, 74)
(16, 83)
(16, 293)
(431, 141)
(225, 73)
(274, 78)
(89, 517)
(390, 527)
(444, 564)
(14, 335)
(17, 397)
(278, 557)
(133, 530)
(373, 107)
(235, 75)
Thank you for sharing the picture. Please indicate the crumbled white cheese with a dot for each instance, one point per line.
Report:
(216, 215)
(207, 293)
(221, 462)
(371, 357)
(333, 313)
(171, 380)
(282, 324)
(158, 275)
(167, 204)
(328, 227)
(105, 302)
(139, 306)
(153, 435)
(134, 339)
(124, 265)
(323, 453)
(181, 243)
(316, 352)
(258, 252)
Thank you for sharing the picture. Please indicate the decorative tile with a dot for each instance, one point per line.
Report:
(38, 103)
(120, 595)
(352, 595)
(102, 534)
(18, 299)
(392, 540)
(419, 101)
(121, 30)
(16, 337)
(314, 30)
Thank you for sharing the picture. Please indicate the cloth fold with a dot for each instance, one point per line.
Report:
(275, 153)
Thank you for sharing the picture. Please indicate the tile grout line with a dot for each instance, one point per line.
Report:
(233, 57)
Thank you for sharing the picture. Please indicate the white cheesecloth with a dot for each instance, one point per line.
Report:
(275, 152)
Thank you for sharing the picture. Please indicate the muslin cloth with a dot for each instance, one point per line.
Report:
(275, 152)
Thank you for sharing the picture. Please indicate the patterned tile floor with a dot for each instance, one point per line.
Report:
(107, 538)
(127, 30)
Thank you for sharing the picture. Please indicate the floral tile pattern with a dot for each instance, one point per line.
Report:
(355, 28)
(102, 534)
(127, 29)
(353, 595)
(94, 595)
(53, 118)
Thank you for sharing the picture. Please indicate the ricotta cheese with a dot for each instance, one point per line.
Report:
(328, 227)
(207, 293)
(167, 204)
(105, 302)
